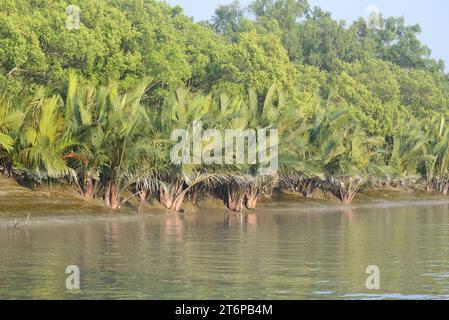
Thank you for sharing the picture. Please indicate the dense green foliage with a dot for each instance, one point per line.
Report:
(95, 105)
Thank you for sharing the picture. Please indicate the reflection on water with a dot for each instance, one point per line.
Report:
(285, 251)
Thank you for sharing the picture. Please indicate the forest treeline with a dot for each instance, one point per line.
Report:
(355, 106)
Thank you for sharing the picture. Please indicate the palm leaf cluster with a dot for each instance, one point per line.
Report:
(114, 146)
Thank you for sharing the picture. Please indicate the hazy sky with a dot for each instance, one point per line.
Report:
(432, 15)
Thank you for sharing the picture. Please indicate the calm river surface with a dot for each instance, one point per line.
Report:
(287, 250)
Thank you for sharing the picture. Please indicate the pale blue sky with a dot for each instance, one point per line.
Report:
(432, 15)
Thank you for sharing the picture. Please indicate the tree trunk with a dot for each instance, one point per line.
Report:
(112, 196)
(7, 168)
(251, 203)
(107, 195)
(179, 201)
(441, 185)
(251, 198)
(234, 200)
(165, 198)
(115, 196)
(346, 189)
(445, 189)
(172, 198)
(348, 194)
(346, 197)
(89, 189)
(142, 196)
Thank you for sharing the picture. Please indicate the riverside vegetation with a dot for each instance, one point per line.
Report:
(355, 107)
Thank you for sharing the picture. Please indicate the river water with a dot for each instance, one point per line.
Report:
(287, 250)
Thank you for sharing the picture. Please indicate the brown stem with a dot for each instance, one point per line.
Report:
(234, 200)
(89, 189)
(164, 198)
(142, 196)
(252, 196)
(177, 204)
(112, 196)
